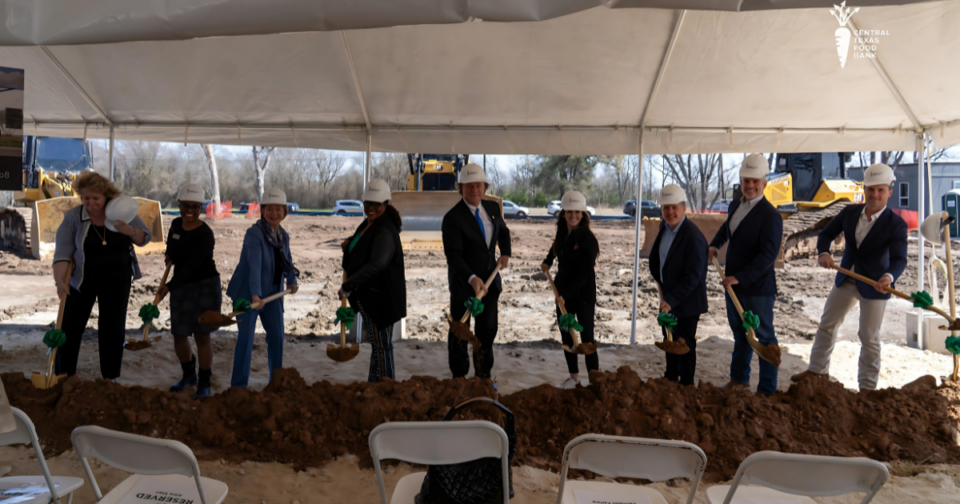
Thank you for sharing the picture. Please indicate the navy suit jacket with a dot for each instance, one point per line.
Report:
(466, 248)
(753, 248)
(685, 272)
(884, 249)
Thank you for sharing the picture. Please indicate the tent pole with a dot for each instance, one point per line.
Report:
(111, 153)
(366, 164)
(638, 215)
(921, 211)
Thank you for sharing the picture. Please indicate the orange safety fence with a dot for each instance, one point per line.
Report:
(253, 210)
(221, 211)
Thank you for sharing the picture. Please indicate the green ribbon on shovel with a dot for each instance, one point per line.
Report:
(569, 321)
(953, 344)
(148, 312)
(242, 305)
(750, 320)
(346, 315)
(474, 305)
(54, 338)
(922, 300)
(667, 319)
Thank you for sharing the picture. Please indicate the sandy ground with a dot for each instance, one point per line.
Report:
(527, 353)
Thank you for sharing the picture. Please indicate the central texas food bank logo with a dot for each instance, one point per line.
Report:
(843, 35)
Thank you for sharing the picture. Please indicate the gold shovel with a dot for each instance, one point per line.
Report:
(578, 348)
(135, 344)
(460, 328)
(343, 353)
(48, 380)
(215, 319)
(678, 347)
(769, 353)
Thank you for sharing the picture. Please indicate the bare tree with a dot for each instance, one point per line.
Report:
(495, 176)
(214, 176)
(329, 164)
(261, 161)
(696, 174)
(623, 170)
(392, 167)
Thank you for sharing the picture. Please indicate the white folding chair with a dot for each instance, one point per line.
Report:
(629, 457)
(788, 477)
(435, 443)
(33, 489)
(161, 459)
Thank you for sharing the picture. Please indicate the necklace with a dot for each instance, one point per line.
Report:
(102, 236)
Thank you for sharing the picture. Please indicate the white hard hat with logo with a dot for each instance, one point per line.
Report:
(754, 166)
(377, 191)
(878, 174)
(672, 194)
(472, 173)
(573, 201)
(274, 196)
(191, 192)
(123, 208)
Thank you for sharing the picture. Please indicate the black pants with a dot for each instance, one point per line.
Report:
(112, 298)
(682, 367)
(381, 346)
(585, 313)
(484, 328)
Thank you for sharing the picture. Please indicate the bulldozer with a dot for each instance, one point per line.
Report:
(430, 193)
(50, 166)
(807, 188)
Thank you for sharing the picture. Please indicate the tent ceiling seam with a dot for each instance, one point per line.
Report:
(892, 86)
(356, 80)
(663, 66)
(103, 115)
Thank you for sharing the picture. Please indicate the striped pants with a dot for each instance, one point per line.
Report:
(381, 344)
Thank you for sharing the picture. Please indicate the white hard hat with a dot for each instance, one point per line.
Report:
(273, 196)
(120, 208)
(672, 194)
(377, 191)
(573, 201)
(191, 192)
(472, 173)
(754, 166)
(878, 174)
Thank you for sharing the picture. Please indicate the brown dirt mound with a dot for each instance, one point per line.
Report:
(304, 425)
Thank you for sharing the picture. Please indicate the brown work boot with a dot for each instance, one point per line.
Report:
(804, 375)
(733, 385)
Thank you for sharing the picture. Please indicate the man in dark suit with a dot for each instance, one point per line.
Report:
(678, 263)
(875, 246)
(754, 229)
(471, 231)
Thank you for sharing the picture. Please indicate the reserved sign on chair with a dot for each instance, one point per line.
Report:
(594, 497)
(149, 490)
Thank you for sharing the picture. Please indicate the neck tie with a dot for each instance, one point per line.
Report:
(480, 222)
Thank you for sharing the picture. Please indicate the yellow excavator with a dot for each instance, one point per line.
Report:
(50, 166)
(430, 193)
(807, 188)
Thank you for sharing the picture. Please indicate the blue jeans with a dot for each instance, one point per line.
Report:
(271, 316)
(742, 352)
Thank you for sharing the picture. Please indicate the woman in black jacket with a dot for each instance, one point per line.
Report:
(376, 286)
(576, 248)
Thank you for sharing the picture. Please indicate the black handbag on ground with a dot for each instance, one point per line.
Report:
(477, 481)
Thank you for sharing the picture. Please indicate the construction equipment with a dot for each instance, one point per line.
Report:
(577, 348)
(770, 353)
(808, 189)
(343, 353)
(430, 193)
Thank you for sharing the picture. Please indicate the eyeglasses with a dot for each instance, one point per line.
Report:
(190, 206)
(371, 204)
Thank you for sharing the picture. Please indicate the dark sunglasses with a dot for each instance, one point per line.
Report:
(190, 206)
(371, 204)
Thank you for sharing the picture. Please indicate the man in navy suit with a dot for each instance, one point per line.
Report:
(876, 247)
(754, 229)
(471, 231)
(678, 263)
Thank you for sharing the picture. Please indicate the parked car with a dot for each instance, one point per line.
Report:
(721, 205)
(244, 207)
(648, 208)
(553, 207)
(203, 209)
(348, 206)
(592, 211)
(511, 208)
(293, 208)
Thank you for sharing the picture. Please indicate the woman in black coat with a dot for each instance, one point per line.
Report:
(576, 248)
(376, 285)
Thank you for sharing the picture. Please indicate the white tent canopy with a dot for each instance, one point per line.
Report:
(554, 77)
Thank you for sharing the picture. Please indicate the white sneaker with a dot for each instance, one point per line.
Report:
(568, 384)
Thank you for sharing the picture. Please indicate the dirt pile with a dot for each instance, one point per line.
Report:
(309, 425)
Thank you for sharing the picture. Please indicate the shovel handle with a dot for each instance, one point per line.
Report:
(486, 285)
(953, 304)
(563, 309)
(751, 336)
(343, 325)
(63, 299)
(893, 291)
(262, 302)
(156, 299)
(669, 332)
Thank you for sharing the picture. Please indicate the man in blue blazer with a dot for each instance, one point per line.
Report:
(678, 263)
(754, 229)
(875, 246)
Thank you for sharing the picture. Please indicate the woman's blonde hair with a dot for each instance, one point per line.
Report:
(95, 182)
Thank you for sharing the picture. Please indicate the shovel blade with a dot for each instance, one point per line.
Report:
(581, 349)
(215, 319)
(137, 345)
(678, 347)
(342, 353)
(39, 380)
